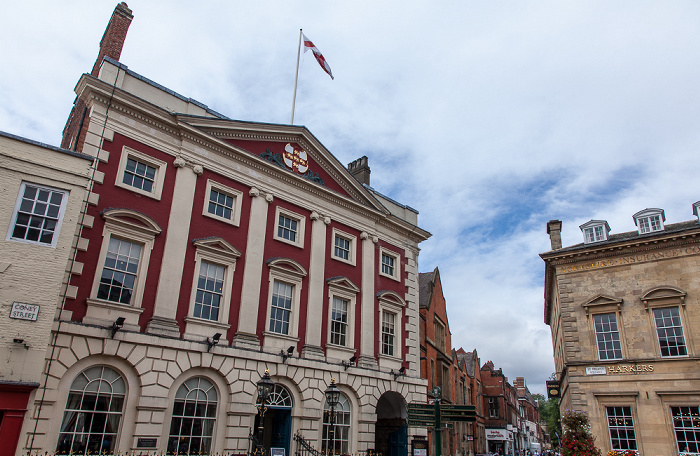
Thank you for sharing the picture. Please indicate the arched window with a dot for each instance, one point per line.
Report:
(194, 416)
(279, 397)
(93, 412)
(339, 433)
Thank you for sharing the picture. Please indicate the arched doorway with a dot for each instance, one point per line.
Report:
(390, 431)
(277, 423)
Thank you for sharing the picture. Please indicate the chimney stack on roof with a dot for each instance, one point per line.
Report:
(113, 39)
(554, 231)
(360, 169)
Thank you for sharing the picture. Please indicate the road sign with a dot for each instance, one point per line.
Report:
(447, 407)
(415, 407)
(421, 423)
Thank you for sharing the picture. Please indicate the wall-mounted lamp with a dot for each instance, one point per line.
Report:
(401, 372)
(20, 341)
(116, 326)
(213, 341)
(349, 363)
(287, 354)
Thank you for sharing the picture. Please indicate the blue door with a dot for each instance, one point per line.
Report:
(398, 442)
(281, 429)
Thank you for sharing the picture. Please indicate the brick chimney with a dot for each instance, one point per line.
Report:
(111, 46)
(554, 231)
(113, 39)
(360, 169)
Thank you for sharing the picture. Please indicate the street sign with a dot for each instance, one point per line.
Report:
(421, 423)
(446, 407)
(415, 407)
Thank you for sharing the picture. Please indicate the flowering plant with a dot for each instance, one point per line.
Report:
(622, 453)
(577, 439)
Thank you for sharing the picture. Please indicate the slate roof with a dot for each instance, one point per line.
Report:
(631, 235)
(424, 279)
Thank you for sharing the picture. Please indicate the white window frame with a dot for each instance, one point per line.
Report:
(159, 165)
(218, 252)
(353, 246)
(59, 220)
(301, 226)
(343, 288)
(644, 220)
(290, 272)
(595, 231)
(683, 332)
(397, 264)
(618, 332)
(212, 390)
(119, 225)
(391, 302)
(237, 196)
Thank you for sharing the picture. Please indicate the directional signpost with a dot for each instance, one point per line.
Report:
(429, 415)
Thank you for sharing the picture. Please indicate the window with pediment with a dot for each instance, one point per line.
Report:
(284, 301)
(127, 240)
(666, 306)
(604, 315)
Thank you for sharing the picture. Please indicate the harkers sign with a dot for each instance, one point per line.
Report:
(620, 369)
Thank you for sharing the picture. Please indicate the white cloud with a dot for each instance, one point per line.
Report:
(490, 118)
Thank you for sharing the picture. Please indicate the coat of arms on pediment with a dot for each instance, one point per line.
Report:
(294, 159)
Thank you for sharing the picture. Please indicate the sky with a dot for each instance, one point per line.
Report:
(488, 117)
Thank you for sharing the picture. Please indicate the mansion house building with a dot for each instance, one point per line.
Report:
(211, 251)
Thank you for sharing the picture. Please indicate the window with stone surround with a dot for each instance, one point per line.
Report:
(669, 332)
(342, 295)
(621, 428)
(127, 240)
(223, 203)
(93, 412)
(686, 422)
(194, 417)
(38, 215)
(607, 336)
(339, 433)
(344, 246)
(289, 227)
(284, 297)
(389, 264)
(141, 173)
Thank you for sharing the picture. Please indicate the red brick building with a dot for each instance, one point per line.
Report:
(444, 367)
(476, 432)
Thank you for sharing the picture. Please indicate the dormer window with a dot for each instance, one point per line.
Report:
(696, 210)
(595, 231)
(649, 220)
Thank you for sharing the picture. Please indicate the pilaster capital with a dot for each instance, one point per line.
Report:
(198, 169)
(254, 191)
(316, 216)
(365, 235)
(180, 162)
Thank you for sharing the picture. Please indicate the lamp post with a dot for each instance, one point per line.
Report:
(332, 399)
(265, 385)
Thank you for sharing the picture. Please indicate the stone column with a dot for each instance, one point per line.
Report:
(252, 275)
(312, 347)
(367, 336)
(168, 293)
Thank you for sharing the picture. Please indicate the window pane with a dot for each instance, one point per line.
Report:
(192, 424)
(607, 336)
(670, 331)
(118, 277)
(36, 218)
(210, 288)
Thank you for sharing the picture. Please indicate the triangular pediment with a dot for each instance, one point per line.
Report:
(601, 301)
(217, 245)
(343, 283)
(292, 150)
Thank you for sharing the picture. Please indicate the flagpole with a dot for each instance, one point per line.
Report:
(296, 78)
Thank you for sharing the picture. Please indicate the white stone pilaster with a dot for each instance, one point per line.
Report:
(367, 337)
(312, 347)
(252, 275)
(168, 293)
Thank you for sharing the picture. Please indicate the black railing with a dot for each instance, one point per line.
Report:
(304, 448)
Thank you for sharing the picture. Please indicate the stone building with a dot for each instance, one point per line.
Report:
(624, 313)
(214, 250)
(43, 193)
